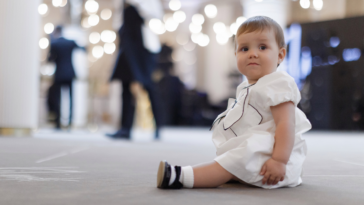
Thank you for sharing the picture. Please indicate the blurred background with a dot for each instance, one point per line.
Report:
(195, 71)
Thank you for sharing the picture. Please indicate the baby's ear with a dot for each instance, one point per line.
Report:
(282, 53)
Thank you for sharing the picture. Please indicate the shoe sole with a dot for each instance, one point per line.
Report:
(161, 172)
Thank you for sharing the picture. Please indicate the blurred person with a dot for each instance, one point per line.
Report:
(258, 138)
(136, 61)
(61, 53)
(170, 88)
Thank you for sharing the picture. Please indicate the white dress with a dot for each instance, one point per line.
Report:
(244, 133)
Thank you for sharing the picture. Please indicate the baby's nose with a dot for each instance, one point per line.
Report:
(253, 53)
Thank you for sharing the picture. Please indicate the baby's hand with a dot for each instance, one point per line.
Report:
(273, 171)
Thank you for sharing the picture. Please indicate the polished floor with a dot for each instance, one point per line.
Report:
(78, 167)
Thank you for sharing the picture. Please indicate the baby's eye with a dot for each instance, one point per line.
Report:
(262, 47)
(244, 49)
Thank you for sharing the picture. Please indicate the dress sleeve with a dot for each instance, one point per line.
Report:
(278, 90)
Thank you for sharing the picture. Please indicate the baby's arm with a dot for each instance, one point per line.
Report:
(274, 169)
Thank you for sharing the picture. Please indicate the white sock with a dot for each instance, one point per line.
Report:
(187, 177)
(173, 176)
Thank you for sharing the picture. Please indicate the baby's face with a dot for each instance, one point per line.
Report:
(258, 54)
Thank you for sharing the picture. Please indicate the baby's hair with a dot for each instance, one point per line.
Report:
(259, 23)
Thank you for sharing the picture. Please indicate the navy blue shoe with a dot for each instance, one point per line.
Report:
(120, 134)
(164, 175)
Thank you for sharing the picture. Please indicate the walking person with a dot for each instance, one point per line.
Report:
(136, 61)
(61, 53)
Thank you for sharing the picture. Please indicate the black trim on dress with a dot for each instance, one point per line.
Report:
(233, 132)
(261, 116)
(215, 122)
(247, 93)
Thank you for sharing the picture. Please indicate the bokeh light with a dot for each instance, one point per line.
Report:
(157, 26)
(204, 40)
(106, 14)
(48, 69)
(233, 28)
(228, 32)
(108, 36)
(318, 4)
(171, 25)
(109, 48)
(64, 3)
(305, 4)
(334, 41)
(43, 43)
(222, 38)
(98, 51)
(85, 23)
(240, 20)
(94, 37)
(91, 6)
(42, 9)
(210, 10)
(351, 54)
(196, 37)
(56, 3)
(174, 5)
(219, 27)
(198, 19)
(48, 28)
(179, 16)
(93, 20)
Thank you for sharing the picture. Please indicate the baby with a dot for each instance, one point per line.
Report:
(258, 138)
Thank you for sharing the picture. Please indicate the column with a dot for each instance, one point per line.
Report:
(19, 62)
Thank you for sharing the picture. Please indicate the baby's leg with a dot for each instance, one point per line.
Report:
(210, 175)
(201, 176)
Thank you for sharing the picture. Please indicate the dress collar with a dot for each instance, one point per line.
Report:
(248, 86)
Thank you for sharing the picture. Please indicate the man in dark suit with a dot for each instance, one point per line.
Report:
(61, 53)
(134, 64)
